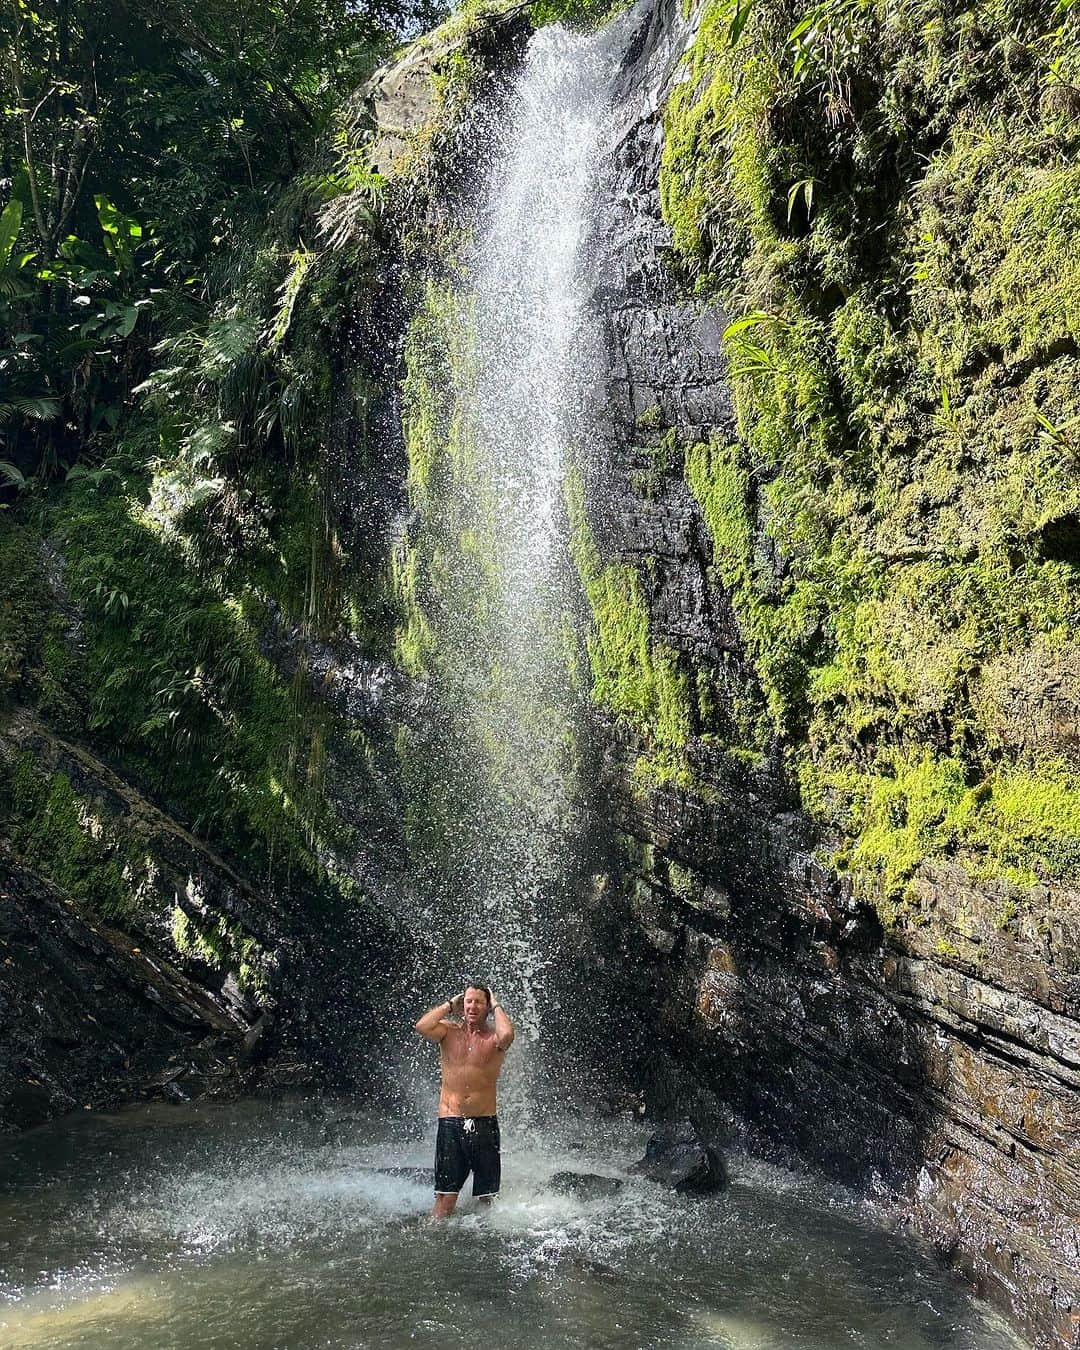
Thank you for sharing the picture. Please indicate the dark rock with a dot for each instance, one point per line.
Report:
(586, 1185)
(167, 1076)
(345, 1130)
(306, 942)
(255, 1042)
(423, 1176)
(677, 1157)
(86, 1019)
(623, 1103)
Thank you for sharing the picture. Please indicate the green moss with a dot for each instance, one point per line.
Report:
(451, 543)
(686, 884)
(63, 836)
(216, 941)
(896, 230)
(414, 641)
(178, 686)
(1030, 823)
(1023, 826)
(902, 817)
(651, 420)
(575, 13)
(24, 607)
(720, 482)
(637, 678)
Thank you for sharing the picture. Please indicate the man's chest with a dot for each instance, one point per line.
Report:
(473, 1051)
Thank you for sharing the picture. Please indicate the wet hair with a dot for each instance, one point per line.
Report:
(479, 984)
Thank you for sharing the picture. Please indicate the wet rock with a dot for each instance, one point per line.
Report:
(422, 1176)
(622, 1103)
(677, 1157)
(290, 1076)
(586, 1185)
(86, 1019)
(166, 1076)
(345, 1130)
(256, 1040)
(403, 97)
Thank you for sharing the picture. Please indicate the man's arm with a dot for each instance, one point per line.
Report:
(432, 1026)
(504, 1028)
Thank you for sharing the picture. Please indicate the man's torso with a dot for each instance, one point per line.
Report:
(470, 1068)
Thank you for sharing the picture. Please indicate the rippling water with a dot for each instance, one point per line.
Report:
(253, 1226)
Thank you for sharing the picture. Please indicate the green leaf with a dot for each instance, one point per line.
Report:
(751, 320)
(11, 474)
(10, 221)
(806, 187)
(738, 23)
(41, 409)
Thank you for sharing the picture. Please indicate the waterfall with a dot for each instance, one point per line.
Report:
(503, 853)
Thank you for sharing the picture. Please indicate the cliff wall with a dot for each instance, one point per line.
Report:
(867, 982)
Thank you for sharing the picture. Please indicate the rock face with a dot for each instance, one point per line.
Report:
(211, 983)
(87, 1018)
(938, 1061)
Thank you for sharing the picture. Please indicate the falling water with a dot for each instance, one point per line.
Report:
(501, 881)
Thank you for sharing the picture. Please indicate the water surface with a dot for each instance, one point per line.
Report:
(256, 1226)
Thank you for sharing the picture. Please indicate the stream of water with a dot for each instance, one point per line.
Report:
(500, 883)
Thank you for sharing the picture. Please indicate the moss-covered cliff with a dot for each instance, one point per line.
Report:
(181, 608)
(851, 873)
(884, 203)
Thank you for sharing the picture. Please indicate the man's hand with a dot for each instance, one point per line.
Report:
(504, 1028)
(433, 1025)
(457, 1005)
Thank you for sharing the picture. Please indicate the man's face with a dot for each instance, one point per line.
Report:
(475, 1006)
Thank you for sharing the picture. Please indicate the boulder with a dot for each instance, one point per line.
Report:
(586, 1185)
(678, 1158)
(405, 97)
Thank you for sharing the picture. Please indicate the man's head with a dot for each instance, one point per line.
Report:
(477, 1004)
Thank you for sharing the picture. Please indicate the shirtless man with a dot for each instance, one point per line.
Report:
(471, 1055)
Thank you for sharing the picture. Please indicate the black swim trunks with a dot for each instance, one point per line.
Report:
(467, 1144)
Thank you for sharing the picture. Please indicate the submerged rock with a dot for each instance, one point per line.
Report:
(421, 1175)
(586, 1185)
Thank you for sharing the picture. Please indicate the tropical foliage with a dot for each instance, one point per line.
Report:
(142, 144)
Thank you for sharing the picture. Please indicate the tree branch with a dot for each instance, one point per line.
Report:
(28, 144)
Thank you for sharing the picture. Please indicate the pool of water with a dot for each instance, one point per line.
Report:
(255, 1226)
